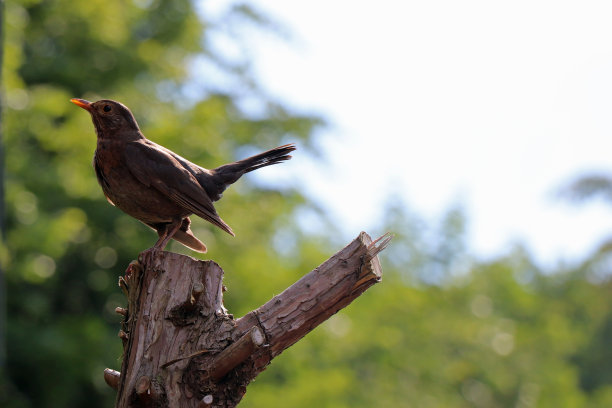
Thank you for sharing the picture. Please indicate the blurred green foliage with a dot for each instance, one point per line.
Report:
(442, 329)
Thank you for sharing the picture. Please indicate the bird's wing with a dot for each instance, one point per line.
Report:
(153, 166)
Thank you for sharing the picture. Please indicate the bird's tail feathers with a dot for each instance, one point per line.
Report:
(229, 173)
(189, 240)
(273, 156)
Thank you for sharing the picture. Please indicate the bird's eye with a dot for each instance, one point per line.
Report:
(107, 108)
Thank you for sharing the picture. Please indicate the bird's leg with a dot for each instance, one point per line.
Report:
(166, 232)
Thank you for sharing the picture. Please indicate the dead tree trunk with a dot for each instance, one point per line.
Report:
(182, 348)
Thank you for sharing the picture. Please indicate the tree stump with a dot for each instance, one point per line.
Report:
(182, 348)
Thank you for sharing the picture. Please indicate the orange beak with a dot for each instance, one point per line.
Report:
(82, 103)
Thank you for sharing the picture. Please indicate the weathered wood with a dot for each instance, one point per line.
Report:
(182, 348)
(289, 316)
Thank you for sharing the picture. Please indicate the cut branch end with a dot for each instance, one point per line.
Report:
(112, 378)
(236, 353)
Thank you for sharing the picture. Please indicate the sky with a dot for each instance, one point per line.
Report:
(489, 105)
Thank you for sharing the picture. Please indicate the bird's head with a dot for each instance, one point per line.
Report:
(111, 118)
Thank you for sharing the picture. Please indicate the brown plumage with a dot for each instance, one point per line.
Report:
(157, 186)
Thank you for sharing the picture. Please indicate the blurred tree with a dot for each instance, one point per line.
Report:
(66, 245)
(590, 187)
(595, 357)
(587, 187)
(2, 226)
(502, 333)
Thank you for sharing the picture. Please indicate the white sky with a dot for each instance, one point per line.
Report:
(490, 104)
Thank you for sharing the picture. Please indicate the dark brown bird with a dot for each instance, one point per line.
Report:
(156, 185)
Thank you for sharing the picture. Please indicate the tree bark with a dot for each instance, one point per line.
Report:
(182, 348)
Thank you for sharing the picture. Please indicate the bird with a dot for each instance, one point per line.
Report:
(157, 186)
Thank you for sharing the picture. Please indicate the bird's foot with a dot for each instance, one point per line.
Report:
(146, 256)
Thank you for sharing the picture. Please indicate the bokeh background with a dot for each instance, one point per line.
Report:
(449, 326)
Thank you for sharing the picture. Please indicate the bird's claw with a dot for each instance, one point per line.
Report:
(146, 257)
